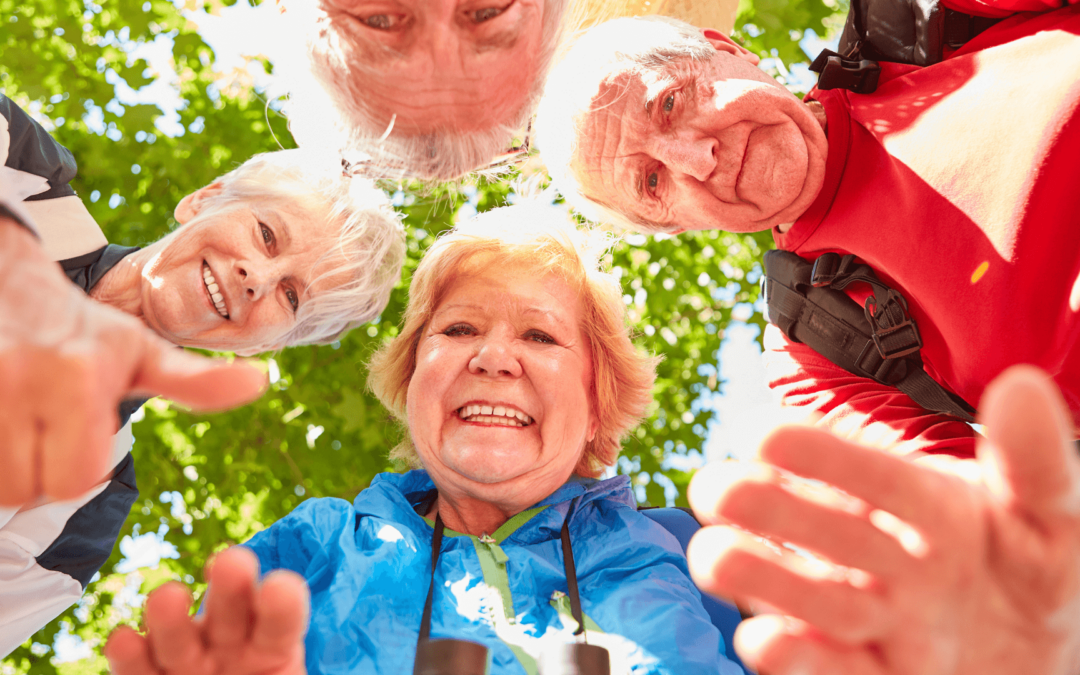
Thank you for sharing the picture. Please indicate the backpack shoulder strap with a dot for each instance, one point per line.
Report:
(879, 341)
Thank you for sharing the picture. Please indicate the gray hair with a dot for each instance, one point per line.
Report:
(370, 246)
(644, 46)
(328, 104)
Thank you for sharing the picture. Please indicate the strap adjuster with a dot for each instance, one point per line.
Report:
(895, 333)
(836, 72)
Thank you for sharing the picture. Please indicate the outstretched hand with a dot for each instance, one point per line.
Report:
(933, 567)
(67, 361)
(248, 628)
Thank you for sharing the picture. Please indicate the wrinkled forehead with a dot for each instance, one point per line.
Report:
(608, 129)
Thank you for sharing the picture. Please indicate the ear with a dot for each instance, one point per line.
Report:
(594, 425)
(723, 43)
(190, 206)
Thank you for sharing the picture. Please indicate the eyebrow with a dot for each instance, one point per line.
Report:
(547, 313)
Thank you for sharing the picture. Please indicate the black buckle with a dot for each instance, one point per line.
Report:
(836, 72)
(829, 268)
(895, 332)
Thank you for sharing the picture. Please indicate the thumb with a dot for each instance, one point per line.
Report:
(1029, 458)
(195, 381)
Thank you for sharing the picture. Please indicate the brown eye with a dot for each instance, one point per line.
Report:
(267, 234)
(652, 181)
(669, 103)
(486, 14)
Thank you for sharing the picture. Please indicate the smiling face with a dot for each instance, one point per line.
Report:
(714, 144)
(499, 405)
(232, 278)
(438, 65)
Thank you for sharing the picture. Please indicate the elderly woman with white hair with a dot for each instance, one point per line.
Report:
(517, 380)
(280, 251)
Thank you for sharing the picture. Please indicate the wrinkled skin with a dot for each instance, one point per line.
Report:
(975, 572)
(247, 627)
(716, 144)
(437, 65)
(67, 361)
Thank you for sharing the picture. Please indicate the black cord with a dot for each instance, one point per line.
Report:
(436, 549)
(571, 574)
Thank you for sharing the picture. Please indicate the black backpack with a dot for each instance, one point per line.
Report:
(902, 31)
(879, 341)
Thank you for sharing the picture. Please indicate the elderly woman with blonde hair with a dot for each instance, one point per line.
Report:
(517, 380)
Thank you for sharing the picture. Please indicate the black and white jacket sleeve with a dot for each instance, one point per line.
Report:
(35, 172)
(50, 550)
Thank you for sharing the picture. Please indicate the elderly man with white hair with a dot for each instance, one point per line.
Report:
(955, 183)
(431, 90)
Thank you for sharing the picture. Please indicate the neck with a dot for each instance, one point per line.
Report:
(121, 287)
(818, 111)
(470, 516)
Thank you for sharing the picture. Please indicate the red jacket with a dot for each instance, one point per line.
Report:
(959, 183)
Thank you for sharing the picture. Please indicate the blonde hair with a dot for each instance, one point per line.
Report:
(543, 241)
(369, 249)
(328, 105)
(641, 46)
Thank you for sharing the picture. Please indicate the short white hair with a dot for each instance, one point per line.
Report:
(643, 46)
(328, 106)
(369, 249)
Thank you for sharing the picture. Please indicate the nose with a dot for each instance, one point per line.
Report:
(689, 153)
(255, 281)
(495, 357)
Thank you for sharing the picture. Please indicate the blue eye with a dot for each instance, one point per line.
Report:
(669, 103)
(294, 299)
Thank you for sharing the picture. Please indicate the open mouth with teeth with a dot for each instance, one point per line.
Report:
(497, 415)
(215, 292)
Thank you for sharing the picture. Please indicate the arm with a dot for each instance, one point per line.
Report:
(65, 364)
(936, 567)
(858, 408)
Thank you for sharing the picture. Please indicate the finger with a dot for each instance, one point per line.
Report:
(757, 501)
(281, 609)
(174, 637)
(230, 597)
(782, 646)
(18, 480)
(128, 653)
(733, 564)
(195, 381)
(898, 486)
(1028, 457)
(77, 426)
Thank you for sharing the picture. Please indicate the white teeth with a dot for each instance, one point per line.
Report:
(500, 415)
(212, 287)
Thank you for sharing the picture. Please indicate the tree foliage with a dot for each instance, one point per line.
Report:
(209, 481)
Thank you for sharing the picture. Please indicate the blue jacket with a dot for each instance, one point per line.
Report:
(369, 565)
